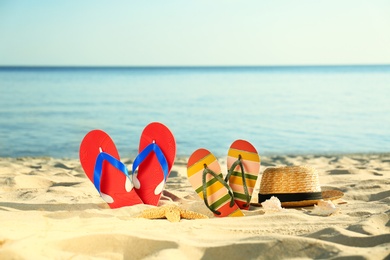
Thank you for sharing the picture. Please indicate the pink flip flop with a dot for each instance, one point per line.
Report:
(157, 151)
(101, 163)
(243, 164)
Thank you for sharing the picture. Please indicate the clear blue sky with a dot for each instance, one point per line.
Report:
(216, 32)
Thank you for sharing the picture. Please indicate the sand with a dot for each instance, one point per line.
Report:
(50, 210)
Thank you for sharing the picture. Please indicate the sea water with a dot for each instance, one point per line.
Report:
(46, 111)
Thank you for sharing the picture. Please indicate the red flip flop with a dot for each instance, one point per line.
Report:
(101, 163)
(157, 151)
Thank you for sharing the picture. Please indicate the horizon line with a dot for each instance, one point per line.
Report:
(194, 66)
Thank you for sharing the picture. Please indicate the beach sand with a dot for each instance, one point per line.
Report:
(50, 210)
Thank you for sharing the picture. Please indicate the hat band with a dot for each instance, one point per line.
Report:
(287, 197)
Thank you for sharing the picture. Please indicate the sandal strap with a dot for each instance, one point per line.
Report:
(244, 184)
(153, 147)
(218, 178)
(97, 174)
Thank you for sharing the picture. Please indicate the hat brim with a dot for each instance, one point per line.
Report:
(326, 195)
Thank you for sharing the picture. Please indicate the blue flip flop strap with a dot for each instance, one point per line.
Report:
(97, 174)
(153, 147)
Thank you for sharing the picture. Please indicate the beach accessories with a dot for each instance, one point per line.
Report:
(243, 163)
(157, 151)
(294, 186)
(101, 163)
(204, 174)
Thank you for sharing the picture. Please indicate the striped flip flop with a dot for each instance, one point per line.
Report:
(204, 174)
(243, 163)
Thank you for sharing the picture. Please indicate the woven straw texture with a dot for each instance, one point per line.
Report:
(289, 179)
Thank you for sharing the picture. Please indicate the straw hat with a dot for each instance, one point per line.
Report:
(294, 186)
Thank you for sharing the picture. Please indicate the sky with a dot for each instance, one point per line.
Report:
(194, 33)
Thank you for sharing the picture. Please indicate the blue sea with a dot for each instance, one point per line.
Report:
(46, 111)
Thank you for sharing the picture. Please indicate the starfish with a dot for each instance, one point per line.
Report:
(171, 212)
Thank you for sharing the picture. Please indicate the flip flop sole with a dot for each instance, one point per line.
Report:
(150, 174)
(251, 164)
(115, 187)
(217, 195)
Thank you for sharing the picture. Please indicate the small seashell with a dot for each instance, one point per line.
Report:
(273, 204)
(324, 208)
